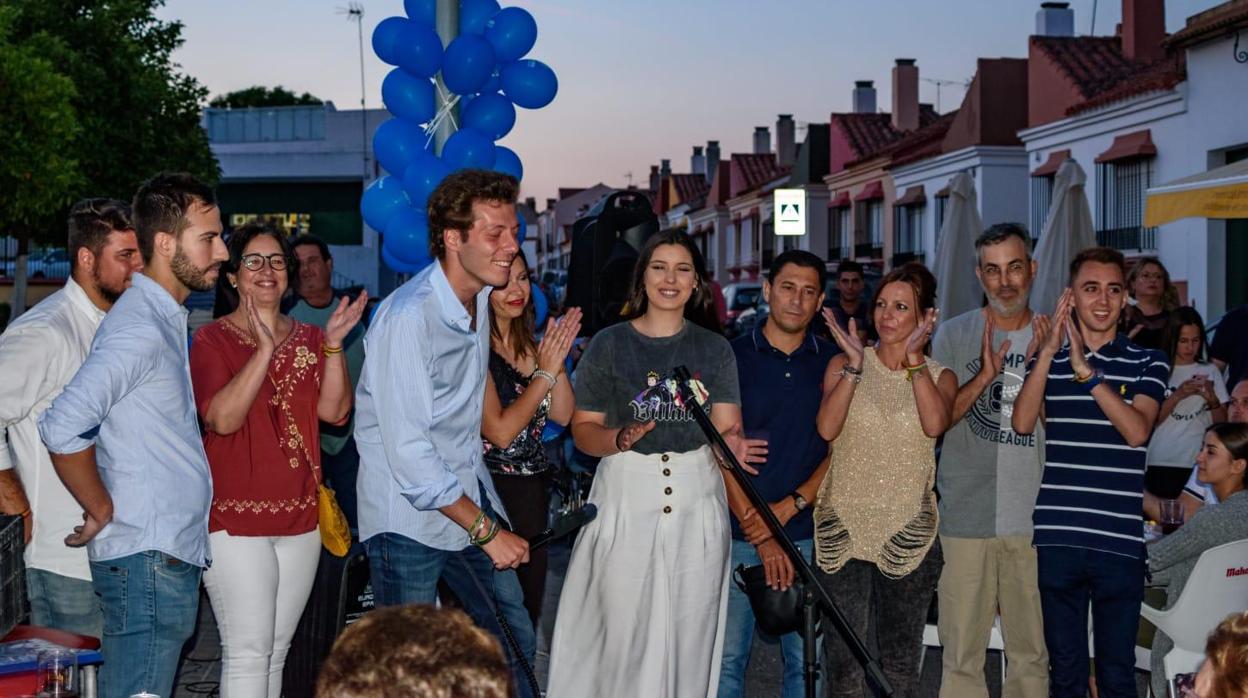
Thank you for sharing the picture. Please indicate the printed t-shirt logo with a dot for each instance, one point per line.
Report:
(661, 401)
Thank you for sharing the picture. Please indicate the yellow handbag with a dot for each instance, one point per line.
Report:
(335, 533)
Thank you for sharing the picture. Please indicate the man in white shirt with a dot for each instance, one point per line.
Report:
(40, 352)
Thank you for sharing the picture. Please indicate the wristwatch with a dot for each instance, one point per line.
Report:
(799, 502)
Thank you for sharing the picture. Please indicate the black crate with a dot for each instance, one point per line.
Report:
(13, 601)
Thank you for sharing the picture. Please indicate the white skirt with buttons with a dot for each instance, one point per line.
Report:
(645, 598)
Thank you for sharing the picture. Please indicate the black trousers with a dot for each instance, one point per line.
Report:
(527, 500)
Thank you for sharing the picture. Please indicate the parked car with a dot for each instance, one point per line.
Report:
(740, 296)
(750, 318)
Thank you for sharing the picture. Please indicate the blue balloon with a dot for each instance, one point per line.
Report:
(468, 148)
(495, 83)
(423, 176)
(396, 144)
(540, 306)
(467, 65)
(407, 237)
(396, 265)
(507, 162)
(421, 10)
(408, 97)
(474, 14)
(381, 201)
(530, 84)
(386, 39)
(491, 114)
(512, 32)
(419, 50)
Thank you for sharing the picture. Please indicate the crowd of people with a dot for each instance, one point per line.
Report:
(1001, 462)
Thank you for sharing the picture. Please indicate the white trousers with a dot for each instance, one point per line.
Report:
(258, 586)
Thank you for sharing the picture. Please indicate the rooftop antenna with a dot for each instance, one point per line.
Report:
(354, 12)
(939, 83)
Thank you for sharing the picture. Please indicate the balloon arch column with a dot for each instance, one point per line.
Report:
(484, 71)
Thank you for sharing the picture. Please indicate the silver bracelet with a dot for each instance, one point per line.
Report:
(539, 373)
(851, 373)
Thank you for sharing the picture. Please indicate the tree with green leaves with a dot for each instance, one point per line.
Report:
(38, 170)
(260, 96)
(138, 115)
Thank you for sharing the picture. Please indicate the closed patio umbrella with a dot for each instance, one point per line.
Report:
(957, 290)
(1067, 231)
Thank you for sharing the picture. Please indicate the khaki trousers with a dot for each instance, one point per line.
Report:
(980, 576)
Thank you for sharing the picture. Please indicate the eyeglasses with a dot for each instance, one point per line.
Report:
(255, 262)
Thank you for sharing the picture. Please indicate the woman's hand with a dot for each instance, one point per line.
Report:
(747, 451)
(920, 337)
(261, 333)
(629, 435)
(552, 351)
(344, 319)
(849, 342)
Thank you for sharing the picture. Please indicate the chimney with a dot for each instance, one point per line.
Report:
(531, 202)
(1143, 28)
(1055, 19)
(665, 168)
(654, 178)
(762, 140)
(550, 204)
(697, 163)
(905, 95)
(712, 160)
(786, 140)
(864, 97)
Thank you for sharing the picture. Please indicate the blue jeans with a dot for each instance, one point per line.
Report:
(404, 571)
(739, 634)
(1069, 579)
(150, 603)
(64, 603)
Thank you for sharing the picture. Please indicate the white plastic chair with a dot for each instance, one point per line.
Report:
(1217, 587)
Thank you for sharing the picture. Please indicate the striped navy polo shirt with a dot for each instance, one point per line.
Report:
(1091, 495)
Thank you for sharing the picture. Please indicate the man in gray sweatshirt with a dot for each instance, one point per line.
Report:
(988, 477)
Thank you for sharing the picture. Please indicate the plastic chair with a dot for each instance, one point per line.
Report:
(1217, 587)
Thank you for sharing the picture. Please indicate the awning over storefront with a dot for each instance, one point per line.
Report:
(1218, 193)
(872, 191)
(1129, 145)
(914, 196)
(1056, 158)
(839, 201)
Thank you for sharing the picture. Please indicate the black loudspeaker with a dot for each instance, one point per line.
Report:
(606, 242)
(340, 596)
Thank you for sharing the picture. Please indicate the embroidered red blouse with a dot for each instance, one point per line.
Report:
(262, 477)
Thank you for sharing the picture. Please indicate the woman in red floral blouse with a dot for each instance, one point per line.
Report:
(263, 382)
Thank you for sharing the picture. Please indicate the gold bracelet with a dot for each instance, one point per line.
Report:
(911, 370)
(328, 351)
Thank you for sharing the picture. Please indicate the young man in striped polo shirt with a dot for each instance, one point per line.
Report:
(1100, 396)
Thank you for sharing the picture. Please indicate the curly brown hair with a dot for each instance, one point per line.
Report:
(450, 204)
(1227, 651)
(414, 651)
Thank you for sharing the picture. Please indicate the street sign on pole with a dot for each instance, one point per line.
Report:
(789, 209)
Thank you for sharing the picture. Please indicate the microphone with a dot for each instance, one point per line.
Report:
(565, 525)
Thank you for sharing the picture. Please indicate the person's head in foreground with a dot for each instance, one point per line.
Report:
(1225, 671)
(417, 651)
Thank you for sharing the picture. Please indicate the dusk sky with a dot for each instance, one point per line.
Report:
(647, 79)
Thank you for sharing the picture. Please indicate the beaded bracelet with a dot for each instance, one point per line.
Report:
(550, 377)
(911, 370)
(489, 536)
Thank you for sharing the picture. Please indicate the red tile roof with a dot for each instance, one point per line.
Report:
(926, 142)
(689, 188)
(752, 170)
(1101, 73)
(1210, 24)
(869, 134)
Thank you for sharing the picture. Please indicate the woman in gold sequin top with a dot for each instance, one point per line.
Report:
(875, 519)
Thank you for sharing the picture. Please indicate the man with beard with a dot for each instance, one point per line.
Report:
(1100, 394)
(125, 441)
(780, 368)
(988, 478)
(427, 505)
(40, 352)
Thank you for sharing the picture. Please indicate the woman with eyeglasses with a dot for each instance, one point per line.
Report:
(1155, 298)
(262, 383)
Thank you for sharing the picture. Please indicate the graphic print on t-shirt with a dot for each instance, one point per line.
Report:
(990, 414)
(661, 400)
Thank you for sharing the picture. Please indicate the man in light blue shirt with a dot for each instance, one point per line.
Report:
(427, 505)
(124, 439)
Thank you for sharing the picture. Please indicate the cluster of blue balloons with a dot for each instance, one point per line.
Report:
(485, 66)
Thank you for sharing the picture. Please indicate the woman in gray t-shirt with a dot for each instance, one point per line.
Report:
(643, 605)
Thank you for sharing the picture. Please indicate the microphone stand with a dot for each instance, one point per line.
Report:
(815, 598)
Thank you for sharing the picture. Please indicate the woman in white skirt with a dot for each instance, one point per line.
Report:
(643, 605)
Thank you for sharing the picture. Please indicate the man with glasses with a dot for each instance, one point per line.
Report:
(988, 479)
